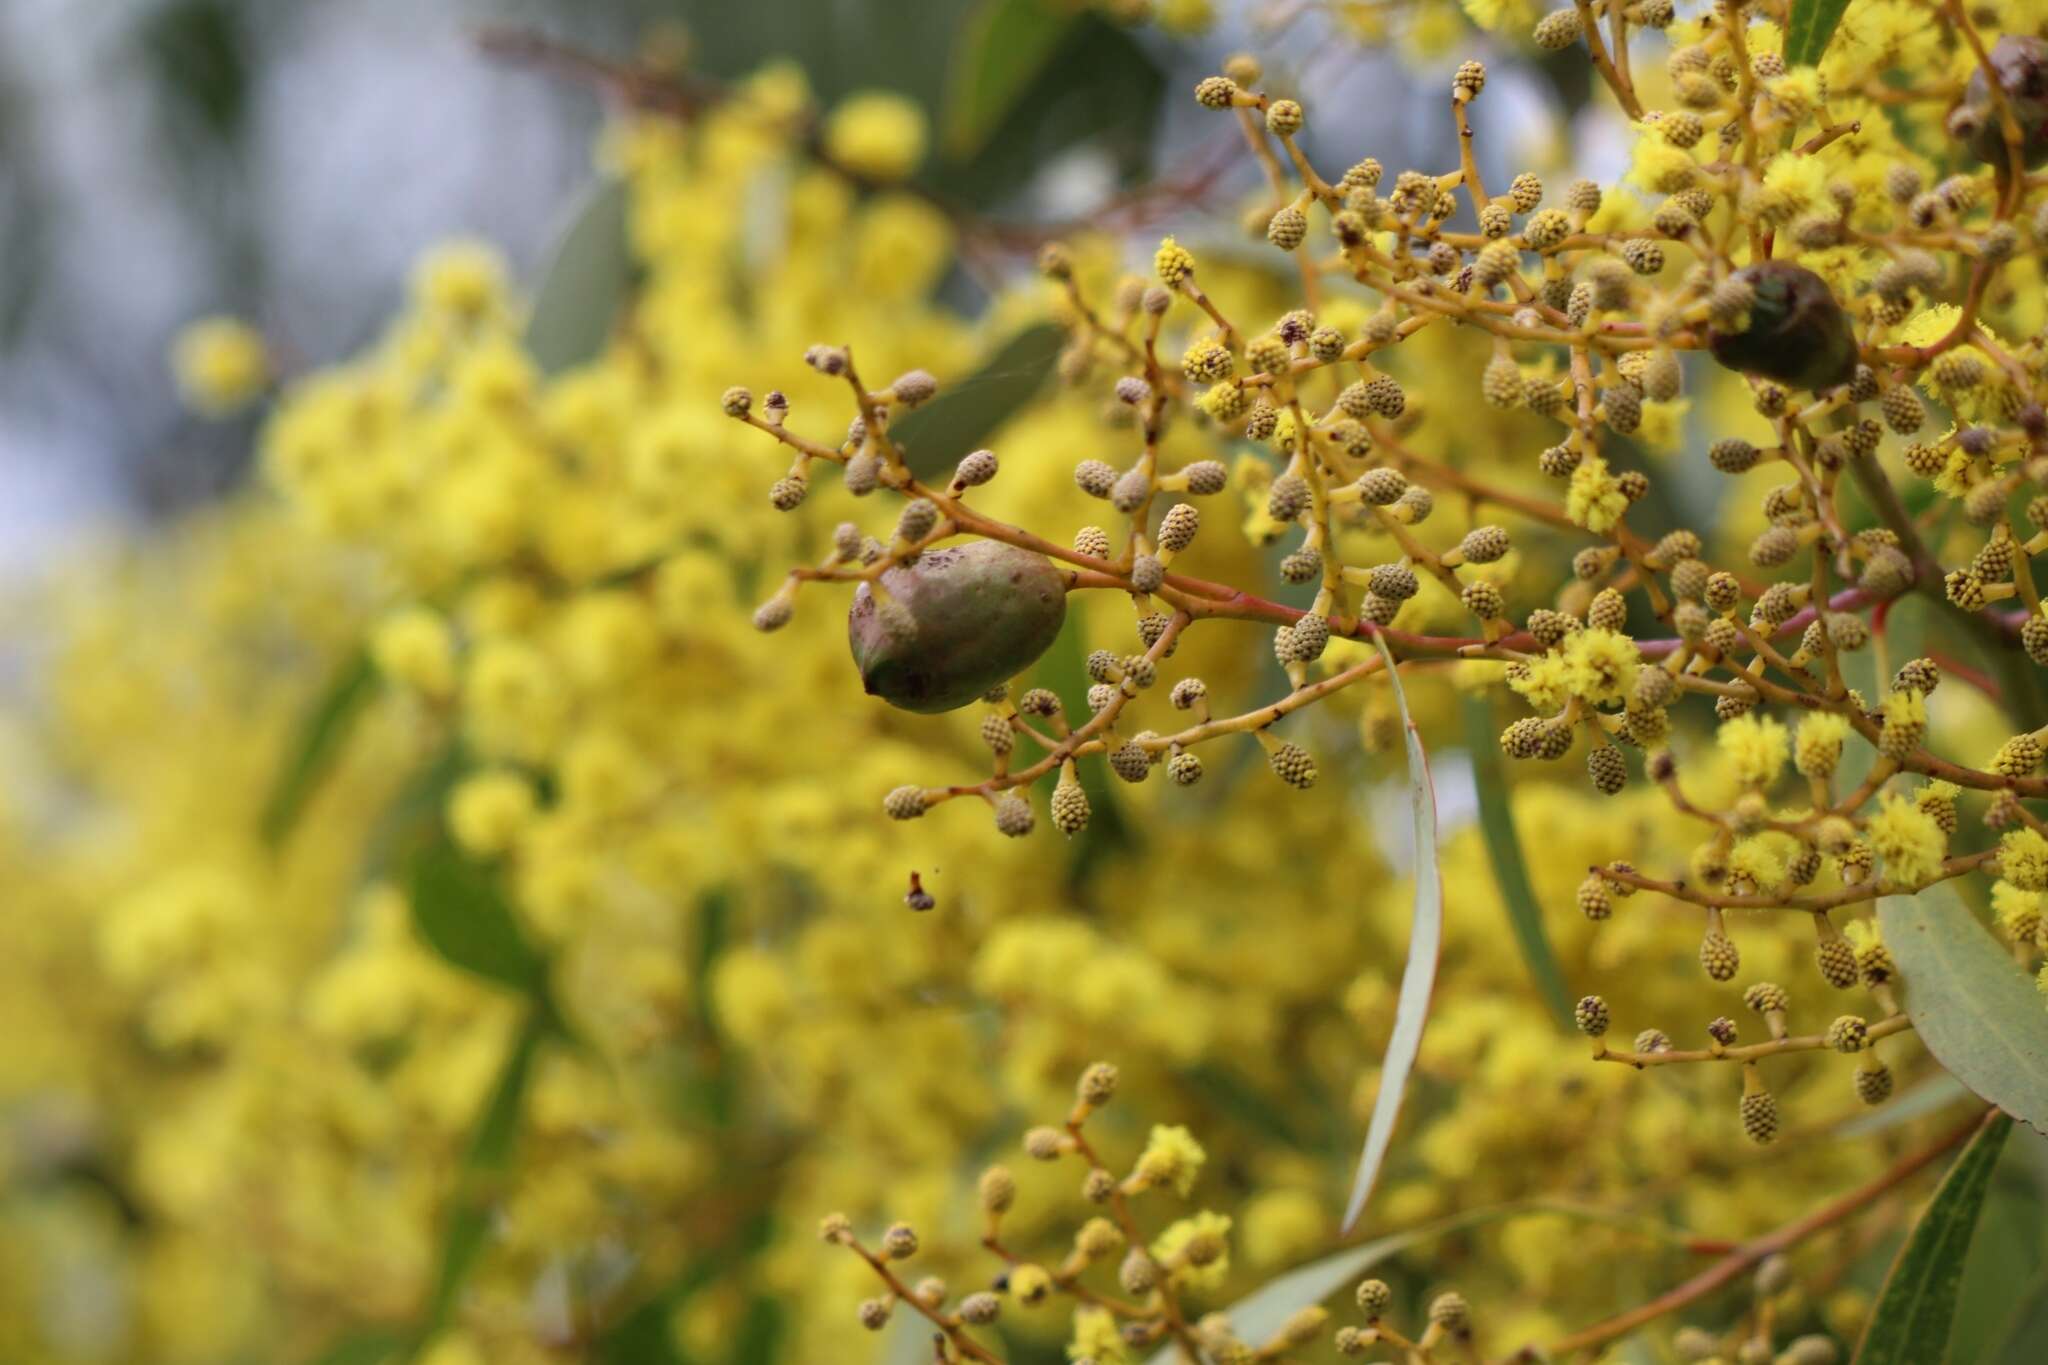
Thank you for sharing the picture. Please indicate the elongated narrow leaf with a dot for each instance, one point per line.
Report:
(490, 1155)
(321, 738)
(413, 822)
(1811, 25)
(1510, 870)
(459, 911)
(362, 1348)
(587, 281)
(966, 414)
(1910, 1324)
(1973, 1006)
(1002, 47)
(642, 1336)
(2005, 1256)
(1418, 978)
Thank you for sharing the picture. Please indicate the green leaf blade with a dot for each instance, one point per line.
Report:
(460, 912)
(586, 283)
(490, 1156)
(1809, 28)
(966, 414)
(1510, 868)
(322, 736)
(1910, 1324)
(1418, 977)
(1972, 1005)
(1002, 48)
(363, 1348)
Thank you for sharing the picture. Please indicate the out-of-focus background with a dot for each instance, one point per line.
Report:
(286, 161)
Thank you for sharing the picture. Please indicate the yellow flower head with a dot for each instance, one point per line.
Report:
(1545, 682)
(1818, 747)
(1758, 864)
(1097, 1337)
(1601, 665)
(462, 279)
(1906, 709)
(1174, 263)
(414, 648)
(1171, 1157)
(1906, 838)
(2023, 859)
(2015, 907)
(1201, 1245)
(876, 134)
(220, 365)
(1594, 498)
(1755, 746)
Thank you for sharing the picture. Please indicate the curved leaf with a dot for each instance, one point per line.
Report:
(364, 1348)
(490, 1156)
(967, 413)
(459, 911)
(1910, 1324)
(586, 283)
(1973, 1006)
(1510, 869)
(322, 734)
(2005, 1261)
(1809, 27)
(1002, 47)
(1418, 978)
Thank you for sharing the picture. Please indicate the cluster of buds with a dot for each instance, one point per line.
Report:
(1128, 1290)
(1129, 1293)
(932, 634)
(1586, 326)
(1852, 1035)
(1448, 1335)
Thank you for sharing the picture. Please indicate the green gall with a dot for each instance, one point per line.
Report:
(1797, 332)
(968, 617)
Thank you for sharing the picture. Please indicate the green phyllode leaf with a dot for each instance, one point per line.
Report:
(586, 284)
(1910, 1324)
(322, 735)
(966, 414)
(1972, 1005)
(1510, 869)
(1418, 978)
(463, 916)
(1002, 48)
(489, 1157)
(1808, 29)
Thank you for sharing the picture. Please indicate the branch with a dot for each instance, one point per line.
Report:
(1751, 1253)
